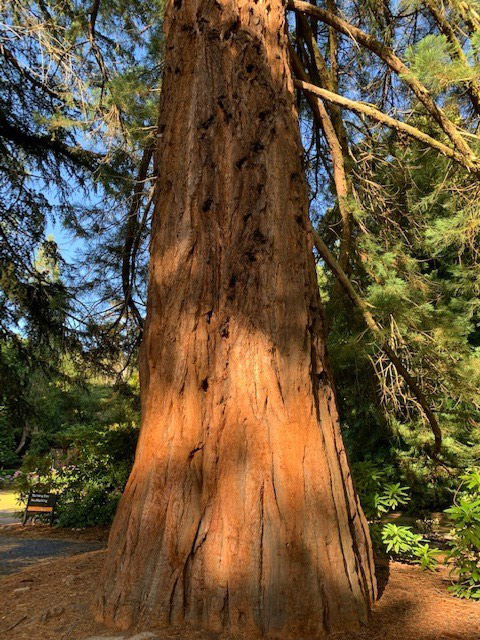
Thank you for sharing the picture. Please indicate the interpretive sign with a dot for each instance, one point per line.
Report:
(40, 502)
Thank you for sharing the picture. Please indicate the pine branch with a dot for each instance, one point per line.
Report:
(133, 228)
(371, 111)
(37, 145)
(377, 331)
(25, 73)
(95, 48)
(447, 30)
(393, 61)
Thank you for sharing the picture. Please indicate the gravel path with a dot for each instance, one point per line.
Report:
(18, 553)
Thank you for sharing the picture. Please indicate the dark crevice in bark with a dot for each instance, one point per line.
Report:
(172, 595)
(207, 205)
(274, 488)
(260, 572)
(194, 451)
(325, 609)
(314, 375)
(225, 608)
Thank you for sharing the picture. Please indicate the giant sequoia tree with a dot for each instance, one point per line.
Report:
(240, 512)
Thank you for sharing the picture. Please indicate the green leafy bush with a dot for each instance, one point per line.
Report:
(377, 494)
(89, 474)
(464, 553)
(426, 555)
(391, 496)
(401, 542)
(399, 539)
(379, 497)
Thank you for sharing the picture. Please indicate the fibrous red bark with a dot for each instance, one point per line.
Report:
(239, 514)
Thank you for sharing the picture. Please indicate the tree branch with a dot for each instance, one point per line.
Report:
(324, 121)
(446, 28)
(372, 112)
(393, 61)
(131, 231)
(376, 329)
(25, 73)
(37, 145)
(95, 48)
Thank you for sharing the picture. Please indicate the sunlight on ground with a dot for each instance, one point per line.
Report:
(9, 502)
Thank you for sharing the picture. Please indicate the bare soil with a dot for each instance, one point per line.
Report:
(55, 599)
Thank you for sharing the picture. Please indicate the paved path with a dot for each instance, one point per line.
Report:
(18, 553)
(7, 516)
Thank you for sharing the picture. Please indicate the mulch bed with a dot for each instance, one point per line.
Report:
(90, 534)
(53, 599)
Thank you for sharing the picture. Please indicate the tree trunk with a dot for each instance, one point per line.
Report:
(23, 439)
(239, 514)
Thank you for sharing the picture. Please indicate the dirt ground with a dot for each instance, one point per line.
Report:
(52, 601)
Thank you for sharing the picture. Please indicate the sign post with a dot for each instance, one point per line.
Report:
(40, 503)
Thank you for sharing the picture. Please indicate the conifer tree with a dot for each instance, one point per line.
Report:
(240, 514)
